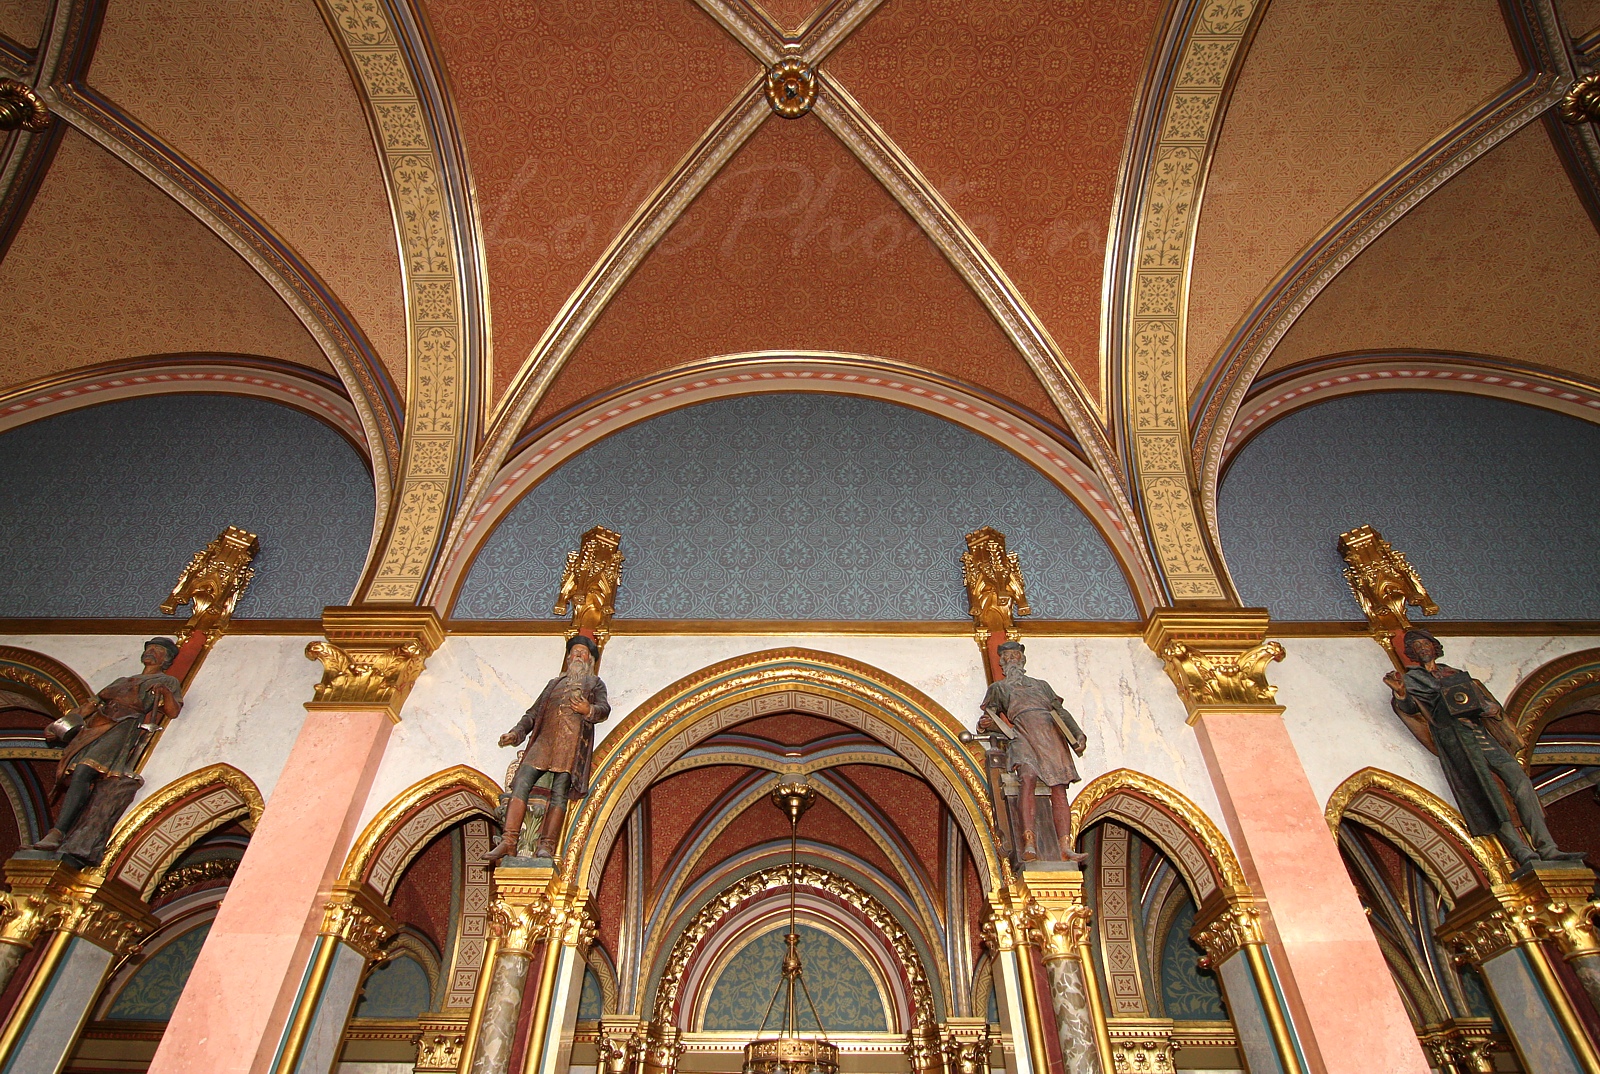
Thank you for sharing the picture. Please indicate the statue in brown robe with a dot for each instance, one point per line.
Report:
(560, 726)
(1040, 729)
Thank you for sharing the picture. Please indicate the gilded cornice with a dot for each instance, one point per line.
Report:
(324, 317)
(1176, 132)
(648, 223)
(1217, 660)
(446, 312)
(1229, 378)
(661, 729)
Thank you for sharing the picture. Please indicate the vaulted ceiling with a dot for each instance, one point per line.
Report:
(965, 196)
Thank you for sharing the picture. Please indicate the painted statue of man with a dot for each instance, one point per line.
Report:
(115, 725)
(1040, 729)
(560, 729)
(1475, 748)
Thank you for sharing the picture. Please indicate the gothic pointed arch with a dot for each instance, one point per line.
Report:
(158, 830)
(402, 828)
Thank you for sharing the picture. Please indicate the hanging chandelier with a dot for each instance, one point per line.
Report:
(789, 1052)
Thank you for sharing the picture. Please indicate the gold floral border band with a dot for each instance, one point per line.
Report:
(446, 367)
(1157, 283)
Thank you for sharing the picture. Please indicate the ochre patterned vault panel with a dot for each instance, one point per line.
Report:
(589, 142)
(1501, 260)
(106, 266)
(101, 508)
(1017, 113)
(1488, 500)
(1293, 154)
(208, 79)
(794, 245)
(796, 507)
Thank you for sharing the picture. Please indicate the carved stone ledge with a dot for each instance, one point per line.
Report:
(1217, 660)
(373, 655)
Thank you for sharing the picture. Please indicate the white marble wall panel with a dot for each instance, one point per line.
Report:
(475, 688)
(1337, 707)
(244, 707)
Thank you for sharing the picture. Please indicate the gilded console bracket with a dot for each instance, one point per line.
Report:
(996, 593)
(589, 585)
(372, 656)
(1384, 583)
(1217, 660)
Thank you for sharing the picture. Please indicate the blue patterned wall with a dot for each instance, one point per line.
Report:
(151, 995)
(1493, 503)
(101, 508)
(842, 988)
(398, 988)
(1189, 995)
(796, 507)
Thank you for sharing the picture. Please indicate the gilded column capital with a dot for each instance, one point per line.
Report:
(1554, 903)
(966, 1044)
(1227, 929)
(1216, 659)
(47, 896)
(620, 1043)
(373, 655)
(531, 906)
(1057, 914)
(1005, 926)
(1481, 928)
(356, 915)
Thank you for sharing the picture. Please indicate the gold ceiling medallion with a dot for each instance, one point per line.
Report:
(21, 108)
(1582, 102)
(791, 87)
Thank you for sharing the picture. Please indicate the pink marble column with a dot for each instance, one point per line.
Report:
(1339, 988)
(233, 1009)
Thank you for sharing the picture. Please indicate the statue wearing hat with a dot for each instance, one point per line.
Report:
(560, 729)
(1039, 730)
(104, 739)
(1461, 721)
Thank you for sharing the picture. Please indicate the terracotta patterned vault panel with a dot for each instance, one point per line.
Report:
(23, 20)
(569, 126)
(1331, 98)
(209, 80)
(795, 245)
(106, 266)
(1501, 260)
(1018, 114)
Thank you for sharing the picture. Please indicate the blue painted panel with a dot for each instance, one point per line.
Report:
(796, 507)
(396, 989)
(101, 508)
(1491, 501)
(1189, 995)
(151, 995)
(591, 1002)
(841, 986)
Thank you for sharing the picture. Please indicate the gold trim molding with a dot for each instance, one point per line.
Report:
(413, 817)
(1191, 823)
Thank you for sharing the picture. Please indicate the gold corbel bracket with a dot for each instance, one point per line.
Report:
(1217, 660)
(589, 586)
(213, 582)
(373, 656)
(1224, 926)
(49, 896)
(1384, 584)
(356, 915)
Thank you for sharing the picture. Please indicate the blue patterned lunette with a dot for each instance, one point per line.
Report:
(398, 988)
(1189, 995)
(1491, 501)
(846, 997)
(101, 508)
(796, 507)
(151, 994)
